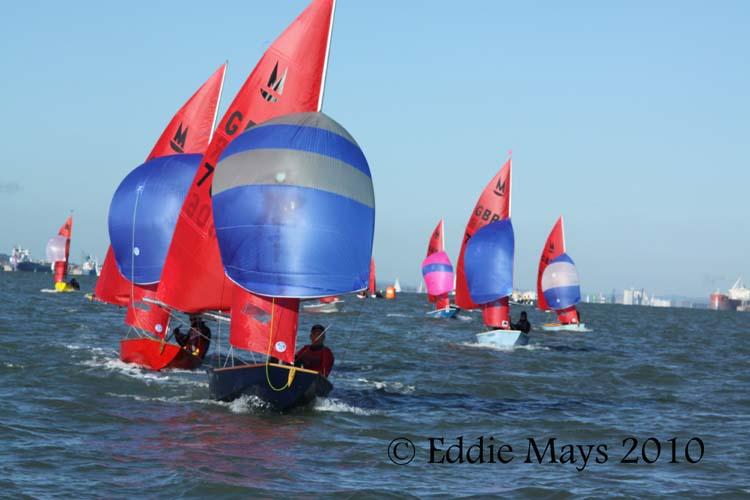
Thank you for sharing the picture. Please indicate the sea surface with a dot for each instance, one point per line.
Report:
(76, 422)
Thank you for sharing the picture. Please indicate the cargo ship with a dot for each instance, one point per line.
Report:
(20, 260)
(736, 299)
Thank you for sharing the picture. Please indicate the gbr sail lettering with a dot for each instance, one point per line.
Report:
(485, 214)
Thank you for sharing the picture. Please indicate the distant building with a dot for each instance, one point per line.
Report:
(639, 297)
(595, 298)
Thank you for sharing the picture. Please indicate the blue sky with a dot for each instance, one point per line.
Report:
(629, 118)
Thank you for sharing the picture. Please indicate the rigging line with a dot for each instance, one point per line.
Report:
(268, 355)
(138, 192)
(354, 329)
(221, 301)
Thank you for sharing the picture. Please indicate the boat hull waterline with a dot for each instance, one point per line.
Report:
(157, 355)
(445, 313)
(558, 327)
(282, 387)
(504, 339)
(321, 308)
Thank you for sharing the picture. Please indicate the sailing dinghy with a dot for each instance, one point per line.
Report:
(141, 221)
(485, 264)
(294, 210)
(326, 305)
(289, 78)
(558, 286)
(58, 253)
(438, 275)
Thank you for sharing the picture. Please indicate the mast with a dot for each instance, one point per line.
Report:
(442, 234)
(325, 61)
(218, 102)
(510, 185)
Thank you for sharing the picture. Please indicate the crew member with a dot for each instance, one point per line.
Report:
(74, 284)
(197, 339)
(316, 356)
(523, 324)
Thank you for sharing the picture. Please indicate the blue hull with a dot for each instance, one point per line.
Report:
(448, 312)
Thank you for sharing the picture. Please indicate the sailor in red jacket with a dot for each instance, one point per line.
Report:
(316, 356)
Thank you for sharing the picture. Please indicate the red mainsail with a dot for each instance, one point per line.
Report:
(288, 78)
(493, 205)
(553, 247)
(188, 132)
(61, 267)
(371, 284)
(191, 128)
(437, 240)
(264, 325)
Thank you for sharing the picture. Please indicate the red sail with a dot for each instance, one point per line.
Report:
(437, 244)
(111, 287)
(371, 284)
(188, 132)
(61, 267)
(437, 240)
(553, 247)
(287, 79)
(493, 205)
(264, 325)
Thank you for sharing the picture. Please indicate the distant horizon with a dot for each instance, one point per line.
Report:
(619, 117)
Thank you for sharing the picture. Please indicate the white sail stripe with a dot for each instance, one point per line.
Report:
(559, 274)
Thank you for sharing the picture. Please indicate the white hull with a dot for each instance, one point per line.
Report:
(321, 308)
(557, 327)
(503, 338)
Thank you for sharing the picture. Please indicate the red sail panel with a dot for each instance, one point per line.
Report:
(436, 244)
(497, 314)
(371, 284)
(553, 247)
(145, 315)
(287, 79)
(568, 316)
(436, 240)
(188, 131)
(264, 325)
(441, 301)
(61, 267)
(493, 205)
(111, 287)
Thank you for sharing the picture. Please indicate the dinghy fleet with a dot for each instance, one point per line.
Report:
(236, 224)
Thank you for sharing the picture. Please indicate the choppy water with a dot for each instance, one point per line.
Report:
(76, 422)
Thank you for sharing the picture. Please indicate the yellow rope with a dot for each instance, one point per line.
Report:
(292, 370)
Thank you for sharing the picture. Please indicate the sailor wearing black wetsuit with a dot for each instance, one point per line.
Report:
(523, 324)
(197, 340)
